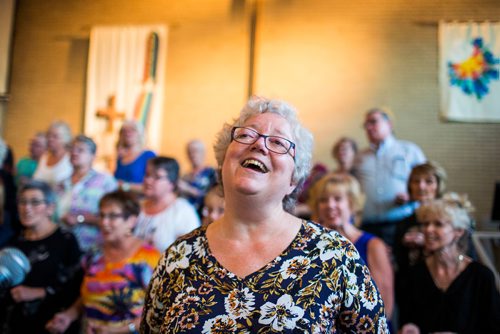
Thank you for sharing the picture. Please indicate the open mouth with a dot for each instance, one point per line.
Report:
(255, 165)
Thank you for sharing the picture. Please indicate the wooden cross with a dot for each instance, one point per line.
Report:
(110, 114)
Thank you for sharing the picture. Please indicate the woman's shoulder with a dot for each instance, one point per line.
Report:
(374, 242)
(147, 154)
(329, 243)
(190, 238)
(146, 249)
(319, 232)
(182, 203)
(147, 253)
(478, 269)
(98, 178)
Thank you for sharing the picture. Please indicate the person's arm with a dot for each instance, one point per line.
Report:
(22, 293)
(61, 321)
(382, 273)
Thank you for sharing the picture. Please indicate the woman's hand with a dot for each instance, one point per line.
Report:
(59, 323)
(23, 293)
(413, 239)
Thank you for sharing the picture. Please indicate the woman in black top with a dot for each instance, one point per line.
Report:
(55, 275)
(448, 291)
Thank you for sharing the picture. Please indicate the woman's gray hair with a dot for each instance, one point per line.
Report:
(64, 130)
(89, 142)
(49, 195)
(302, 138)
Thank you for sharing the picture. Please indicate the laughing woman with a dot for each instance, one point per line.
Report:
(258, 268)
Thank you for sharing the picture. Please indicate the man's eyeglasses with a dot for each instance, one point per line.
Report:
(32, 202)
(274, 144)
(111, 216)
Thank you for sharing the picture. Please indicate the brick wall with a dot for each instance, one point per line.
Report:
(332, 59)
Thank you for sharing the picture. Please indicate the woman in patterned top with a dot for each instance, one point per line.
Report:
(113, 288)
(259, 269)
(80, 193)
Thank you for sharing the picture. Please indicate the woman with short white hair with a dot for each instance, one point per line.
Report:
(54, 165)
(258, 268)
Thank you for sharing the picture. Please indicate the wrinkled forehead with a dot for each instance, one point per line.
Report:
(270, 123)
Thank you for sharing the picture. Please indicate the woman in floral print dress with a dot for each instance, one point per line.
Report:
(259, 269)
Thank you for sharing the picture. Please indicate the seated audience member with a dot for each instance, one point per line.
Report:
(336, 199)
(80, 193)
(259, 269)
(448, 291)
(26, 166)
(194, 185)
(116, 277)
(54, 165)
(344, 151)
(55, 276)
(426, 183)
(213, 207)
(132, 157)
(164, 216)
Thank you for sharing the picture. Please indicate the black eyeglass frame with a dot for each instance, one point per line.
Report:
(292, 144)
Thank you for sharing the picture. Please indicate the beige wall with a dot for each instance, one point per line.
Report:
(332, 59)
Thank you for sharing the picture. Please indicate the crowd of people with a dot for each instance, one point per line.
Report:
(264, 242)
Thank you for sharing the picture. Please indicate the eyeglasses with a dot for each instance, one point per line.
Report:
(111, 216)
(274, 144)
(32, 202)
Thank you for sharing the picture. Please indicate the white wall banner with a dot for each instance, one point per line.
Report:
(469, 69)
(125, 80)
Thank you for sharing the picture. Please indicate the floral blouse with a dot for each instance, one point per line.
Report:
(317, 285)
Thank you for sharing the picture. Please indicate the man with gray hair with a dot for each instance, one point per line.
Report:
(383, 170)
